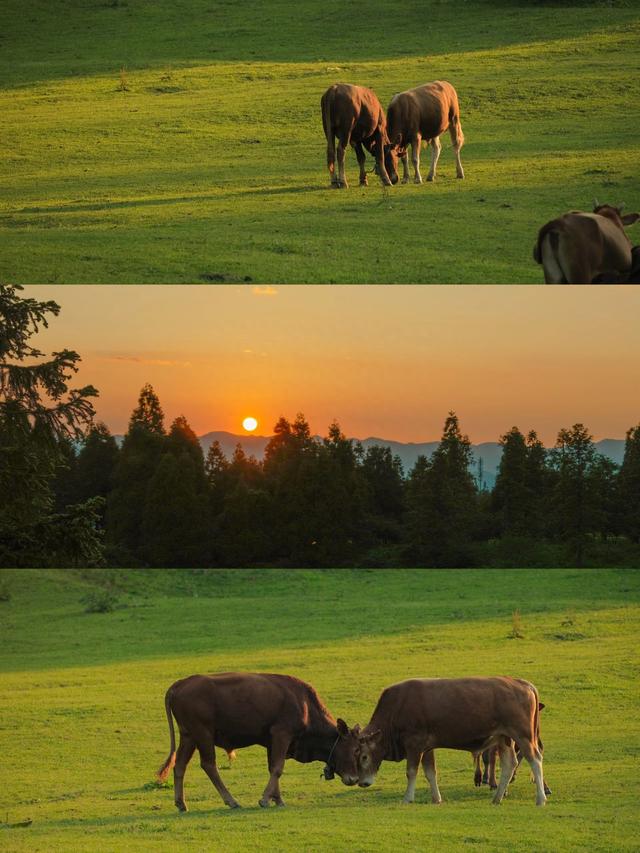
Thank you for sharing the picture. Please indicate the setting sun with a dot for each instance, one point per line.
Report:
(249, 424)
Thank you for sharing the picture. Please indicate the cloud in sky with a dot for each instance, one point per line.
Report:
(268, 290)
(156, 362)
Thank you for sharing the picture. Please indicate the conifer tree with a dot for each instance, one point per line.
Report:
(629, 486)
(40, 415)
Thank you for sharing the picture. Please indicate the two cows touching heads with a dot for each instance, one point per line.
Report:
(411, 720)
(354, 115)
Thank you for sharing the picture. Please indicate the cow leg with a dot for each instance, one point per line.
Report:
(331, 159)
(507, 763)
(477, 776)
(429, 767)
(534, 757)
(457, 139)
(405, 168)
(413, 762)
(415, 158)
(436, 148)
(276, 755)
(382, 169)
(183, 756)
(207, 752)
(362, 159)
(491, 775)
(342, 147)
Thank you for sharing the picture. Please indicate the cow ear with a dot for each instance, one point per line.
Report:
(540, 706)
(630, 218)
(374, 736)
(343, 728)
(356, 729)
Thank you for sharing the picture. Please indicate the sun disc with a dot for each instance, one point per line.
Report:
(249, 424)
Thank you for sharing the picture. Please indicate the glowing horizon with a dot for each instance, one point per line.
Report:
(384, 361)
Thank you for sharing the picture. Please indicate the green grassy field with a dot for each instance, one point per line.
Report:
(204, 160)
(82, 720)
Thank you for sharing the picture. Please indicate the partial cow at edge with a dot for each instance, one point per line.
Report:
(424, 113)
(355, 116)
(588, 248)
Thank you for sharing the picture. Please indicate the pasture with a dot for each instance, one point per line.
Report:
(83, 727)
(181, 140)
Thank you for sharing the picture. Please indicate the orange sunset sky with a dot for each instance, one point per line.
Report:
(387, 361)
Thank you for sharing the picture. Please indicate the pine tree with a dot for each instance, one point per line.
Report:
(442, 502)
(39, 416)
(139, 457)
(629, 486)
(574, 500)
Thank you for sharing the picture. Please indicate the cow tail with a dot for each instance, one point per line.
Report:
(326, 123)
(548, 229)
(455, 128)
(536, 720)
(163, 772)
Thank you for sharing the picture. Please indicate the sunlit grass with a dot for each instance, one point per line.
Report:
(213, 164)
(83, 728)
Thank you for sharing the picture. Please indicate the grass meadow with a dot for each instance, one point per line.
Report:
(82, 721)
(181, 140)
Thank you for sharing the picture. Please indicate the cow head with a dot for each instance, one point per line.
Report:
(391, 162)
(369, 756)
(615, 214)
(343, 759)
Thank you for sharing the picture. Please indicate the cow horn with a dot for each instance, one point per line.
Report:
(595, 203)
(621, 206)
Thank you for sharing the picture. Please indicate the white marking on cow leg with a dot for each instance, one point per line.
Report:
(535, 762)
(429, 767)
(436, 147)
(507, 763)
(412, 775)
(415, 159)
(405, 168)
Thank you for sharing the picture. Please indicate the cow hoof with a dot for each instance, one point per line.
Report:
(407, 802)
(280, 803)
(233, 805)
(541, 802)
(264, 804)
(460, 177)
(418, 180)
(436, 802)
(493, 787)
(431, 178)
(406, 180)
(182, 807)
(364, 182)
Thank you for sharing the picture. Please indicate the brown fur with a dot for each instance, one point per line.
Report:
(424, 114)
(582, 248)
(414, 718)
(234, 710)
(355, 116)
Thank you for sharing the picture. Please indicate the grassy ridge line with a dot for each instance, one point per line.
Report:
(82, 741)
(218, 601)
(167, 182)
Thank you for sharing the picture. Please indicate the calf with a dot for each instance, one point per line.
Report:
(424, 113)
(414, 718)
(580, 248)
(355, 116)
(233, 710)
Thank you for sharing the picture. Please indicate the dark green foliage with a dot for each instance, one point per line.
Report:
(522, 485)
(629, 486)
(40, 417)
(442, 508)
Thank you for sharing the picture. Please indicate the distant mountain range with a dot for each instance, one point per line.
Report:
(489, 452)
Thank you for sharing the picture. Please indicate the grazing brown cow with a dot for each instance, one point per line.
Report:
(355, 116)
(232, 710)
(579, 247)
(424, 113)
(413, 718)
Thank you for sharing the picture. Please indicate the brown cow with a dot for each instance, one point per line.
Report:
(355, 116)
(424, 113)
(233, 710)
(579, 247)
(413, 718)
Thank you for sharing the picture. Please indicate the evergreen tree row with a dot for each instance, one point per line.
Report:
(328, 502)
